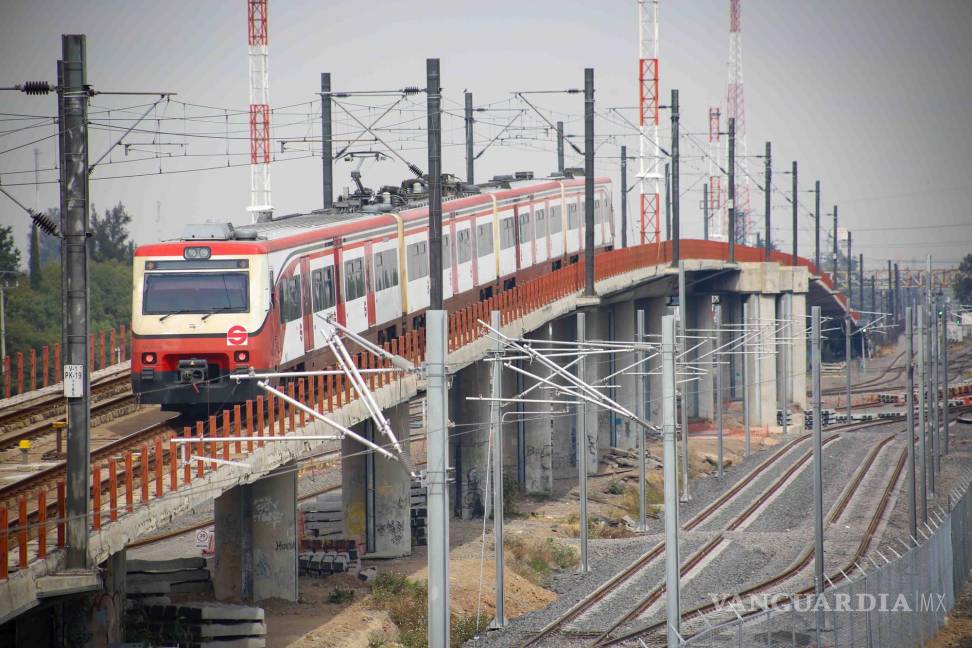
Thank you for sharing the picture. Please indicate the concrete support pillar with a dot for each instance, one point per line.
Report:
(627, 392)
(256, 539)
(700, 312)
(798, 395)
(599, 420)
(538, 432)
(654, 308)
(472, 426)
(763, 313)
(375, 492)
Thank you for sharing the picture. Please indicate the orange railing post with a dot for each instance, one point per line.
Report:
(173, 465)
(129, 483)
(226, 432)
(300, 399)
(282, 414)
(259, 414)
(96, 497)
(249, 425)
(144, 472)
(237, 427)
(200, 466)
(187, 468)
(112, 489)
(158, 467)
(212, 444)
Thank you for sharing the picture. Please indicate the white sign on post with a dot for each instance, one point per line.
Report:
(73, 381)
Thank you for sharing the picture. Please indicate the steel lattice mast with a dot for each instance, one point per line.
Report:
(649, 152)
(736, 109)
(260, 206)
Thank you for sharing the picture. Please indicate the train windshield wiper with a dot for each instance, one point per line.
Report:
(223, 309)
(181, 311)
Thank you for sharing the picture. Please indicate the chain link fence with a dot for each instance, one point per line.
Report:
(898, 600)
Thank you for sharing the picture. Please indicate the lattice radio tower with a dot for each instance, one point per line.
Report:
(649, 152)
(736, 108)
(260, 207)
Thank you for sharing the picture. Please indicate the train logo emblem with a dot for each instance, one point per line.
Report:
(237, 336)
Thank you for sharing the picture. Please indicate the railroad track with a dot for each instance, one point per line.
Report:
(710, 547)
(802, 561)
(622, 577)
(51, 405)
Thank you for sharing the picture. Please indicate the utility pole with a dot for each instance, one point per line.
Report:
(72, 99)
(437, 332)
(860, 280)
(589, 182)
(796, 204)
(682, 330)
(668, 201)
(818, 529)
(327, 142)
(945, 373)
(933, 358)
(787, 371)
(745, 375)
(672, 598)
(582, 445)
(624, 196)
(926, 479)
(732, 190)
(705, 211)
(835, 246)
(640, 411)
(470, 156)
(850, 274)
(497, 433)
(560, 147)
(717, 369)
(768, 207)
(910, 415)
(892, 310)
(874, 307)
(897, 289)
(847, 361)
(816, 226)
(676, 231)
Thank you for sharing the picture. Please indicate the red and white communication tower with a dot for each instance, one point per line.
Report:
(717, 218)
(736, 108)
(260, 207)
(649, 152)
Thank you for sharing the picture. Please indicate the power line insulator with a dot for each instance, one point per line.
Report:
(36, 87)
(44, 222)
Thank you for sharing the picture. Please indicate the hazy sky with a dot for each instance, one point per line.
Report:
(872, 97)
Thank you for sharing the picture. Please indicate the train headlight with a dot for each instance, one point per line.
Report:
(148, 358)
(197, 253)
(242, 356)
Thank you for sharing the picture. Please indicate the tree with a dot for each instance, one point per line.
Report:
(9, 254)
(109, 235)
(963, 282)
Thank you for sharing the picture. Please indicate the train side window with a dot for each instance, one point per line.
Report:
(556, 223)
(322, 288)
(484, 239)
(386, 270)
(540, 224)
(526, 228)
(354, 279)
(282, 301)
(446, 251)
(418, 260)
(463, 246)
(572, 216)
(507, 233)
(290, 303)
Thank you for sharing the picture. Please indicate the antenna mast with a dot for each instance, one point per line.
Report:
(260, 208)
(736, 109)
(649, 152)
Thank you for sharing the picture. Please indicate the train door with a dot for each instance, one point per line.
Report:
(355, 289)
(323, 284)
(307, 324)
(290, 298)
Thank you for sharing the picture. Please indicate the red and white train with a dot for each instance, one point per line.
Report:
(222, 300)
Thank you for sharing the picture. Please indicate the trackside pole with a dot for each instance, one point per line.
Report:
(671, 483)
(640, 411)
(437, 466)
(717, 369)
(682, 327)
(910, 428)
(847, 360)
(945, 373)
(922, 428)
(933, 359)
(497, 434)
(745, 376)
(787, 371)
(818, 554)
(582, 448)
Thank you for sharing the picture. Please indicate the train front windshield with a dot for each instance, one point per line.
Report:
(209, 292)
